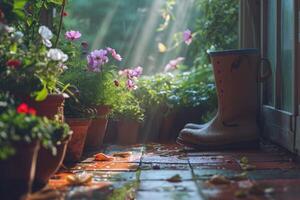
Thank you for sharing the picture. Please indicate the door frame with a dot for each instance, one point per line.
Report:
(279, 125)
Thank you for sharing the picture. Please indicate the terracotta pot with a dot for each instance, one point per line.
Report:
(17, 172)
(152, 123)
(166, 127)
(127, 132)
(97, 129)
(184, 116)
(111, 132)
(51, 106)
(48, 164)
(76, 144)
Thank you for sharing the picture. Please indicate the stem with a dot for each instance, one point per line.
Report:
(60, 21)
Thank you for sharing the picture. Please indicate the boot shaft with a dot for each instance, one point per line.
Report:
(236, 76)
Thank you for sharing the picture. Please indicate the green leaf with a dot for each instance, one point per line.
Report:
(13, 48)
(18, 8)
(41, 95)
(58, 2)
(20, 4)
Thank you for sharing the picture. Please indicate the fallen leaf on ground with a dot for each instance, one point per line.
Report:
(79, 179)
(122, 154)
(219, 180)
(240, 193)
(244, 160)
(269, 190)
(102, 157)
(175, 179)
(241, 176)
(248, 167)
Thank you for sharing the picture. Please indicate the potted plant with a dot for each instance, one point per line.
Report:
(129, 117)
(33, 64)
(153, 92)
(127, 109)
(51, 157)
(22, 132)
(92, 75)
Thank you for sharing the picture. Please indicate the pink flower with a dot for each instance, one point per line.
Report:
(187, 37)
(123, 72)
(138, 71)
(72, 35)
(172, 65)
(114, 54)
(131, 85)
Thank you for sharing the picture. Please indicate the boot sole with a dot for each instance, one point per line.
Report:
(253, 144)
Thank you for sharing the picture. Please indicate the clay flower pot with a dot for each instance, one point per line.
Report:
(111, 132)
(76, 144)
(48, 164)
(127, 132)
(17, 172)
(166, 127)
(97, 129)
(51, 106)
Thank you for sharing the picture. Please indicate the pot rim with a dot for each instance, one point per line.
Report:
(234, 52)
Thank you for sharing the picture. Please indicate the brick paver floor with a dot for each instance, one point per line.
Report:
(168, 171)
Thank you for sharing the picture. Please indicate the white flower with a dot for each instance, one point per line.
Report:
(63, 66)
(18, 35)
(57, 55)
(9, 29)
(47, 35)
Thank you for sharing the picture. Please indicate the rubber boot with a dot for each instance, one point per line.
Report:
(235, 125)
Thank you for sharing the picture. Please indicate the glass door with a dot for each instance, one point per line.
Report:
(279, 93)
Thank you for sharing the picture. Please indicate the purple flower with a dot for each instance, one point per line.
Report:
(187, 37)
(96, 59)
(135, 73)
(114, 54)
(172, 65)
(131, 85)
(72, 35)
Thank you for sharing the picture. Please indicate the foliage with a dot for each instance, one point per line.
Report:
(190, 89)
(155, 90)
(26, 14)
(29, 66)
(126, 105)
(19, 125)
(92, 89)
(216, 28)
(194, 88)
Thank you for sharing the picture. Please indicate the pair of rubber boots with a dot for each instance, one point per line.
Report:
(238, 77)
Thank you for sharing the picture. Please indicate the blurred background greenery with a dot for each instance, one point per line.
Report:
(136, 27)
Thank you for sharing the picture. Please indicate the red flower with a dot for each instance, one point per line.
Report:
(117, 83)
(13, 63)
(65, 14)
(31, 111)
(24, 109)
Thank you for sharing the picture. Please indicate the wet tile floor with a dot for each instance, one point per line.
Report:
(168, 171)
